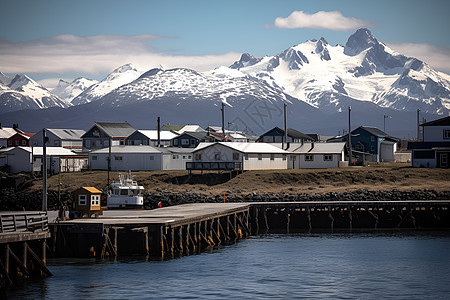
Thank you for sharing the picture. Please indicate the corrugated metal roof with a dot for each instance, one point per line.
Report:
(439, 122)
(6, 133)
(320, 148)
(246, 147)
(67, 134)
(132, 149)
(153, 134)
(116, 129)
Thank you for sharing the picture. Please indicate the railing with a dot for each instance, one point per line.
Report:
(227, 166)
(23, 222)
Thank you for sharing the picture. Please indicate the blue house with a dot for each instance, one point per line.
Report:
(371, 144)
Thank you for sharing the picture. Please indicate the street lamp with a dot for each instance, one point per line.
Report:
(384, 122)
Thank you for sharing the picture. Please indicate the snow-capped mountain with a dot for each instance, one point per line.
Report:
(69, 90)
(120, 76)
(22, 92)
(331, 77)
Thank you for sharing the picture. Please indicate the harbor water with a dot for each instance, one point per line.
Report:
(395, 265)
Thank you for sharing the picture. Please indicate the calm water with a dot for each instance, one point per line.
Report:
(345, 266)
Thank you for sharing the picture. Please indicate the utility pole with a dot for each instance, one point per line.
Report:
(109, 161)
(349, 137)
(44, 170)
(384, 122)
(223, 119)
(418, 121)
(159, 132)
(285, 128)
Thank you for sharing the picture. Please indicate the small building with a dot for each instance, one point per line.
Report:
(28, 159)
(193, 139)
(276, 136)
(66, 138)
(150, 137)
(20, 139)
(434, 151)
(318, 156)
(140, 158)
(87, 200)
(6, 133)
(251, 156)
(102, 133)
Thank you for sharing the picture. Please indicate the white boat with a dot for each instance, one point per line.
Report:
(126, 193)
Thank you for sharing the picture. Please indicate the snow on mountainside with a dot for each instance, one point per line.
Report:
(328, 77)
(69, 90)
(23, 92)
(186, 84)
(120, 76)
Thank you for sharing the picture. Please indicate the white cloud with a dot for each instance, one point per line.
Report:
(332, 20)
(438, 57)
(97, 55)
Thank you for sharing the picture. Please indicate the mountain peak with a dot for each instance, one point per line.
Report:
(359, 41)
(125, 68)
(245, 61)
(20, 80)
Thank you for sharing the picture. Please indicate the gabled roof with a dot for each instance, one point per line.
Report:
(245, 147)
(183, 128)
(173, 127)
(376, 132)
(439, 122)
(114, 129)
(91, 189)
(320, 148)
(202, 136)
(25, 135)
(67, 134)
(153, 134)
(6, 133)
(290, 132)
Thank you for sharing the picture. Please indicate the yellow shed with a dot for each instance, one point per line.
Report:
(87, 200)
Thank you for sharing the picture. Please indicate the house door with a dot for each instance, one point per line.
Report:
(443, 160)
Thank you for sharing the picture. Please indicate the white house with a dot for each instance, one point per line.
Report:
(317, 156)
(5, 134)
(140, 158)
(66, 138)
(252, 156)
(27, 159)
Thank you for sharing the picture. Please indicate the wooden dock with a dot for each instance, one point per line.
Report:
(22, 245)
(164, 232)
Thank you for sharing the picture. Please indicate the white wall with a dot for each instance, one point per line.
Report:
(126, 161)
(176, 161)
(387, 152)
(266, 163)
(318, 161)
(434, 133)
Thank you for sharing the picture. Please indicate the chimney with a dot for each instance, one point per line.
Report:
(0, 125)
(15, 127)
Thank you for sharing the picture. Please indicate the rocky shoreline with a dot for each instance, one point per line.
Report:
(11, 199)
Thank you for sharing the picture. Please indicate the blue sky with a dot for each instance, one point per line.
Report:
(66, 39)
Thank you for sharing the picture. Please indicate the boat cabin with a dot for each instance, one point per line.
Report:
(87, 200)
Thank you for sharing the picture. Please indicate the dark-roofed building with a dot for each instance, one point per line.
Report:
(192, 139)
(101, 133)
(434, 151)
(276, 136)
(371, 144)
(66, 138)
(20, 139)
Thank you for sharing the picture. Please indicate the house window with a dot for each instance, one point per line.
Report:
(152, 157)
(372, 148)
(446, 134)
(95, 200)
(309, 157)
(184, 142)
(184, 156)
(82, 199)
(189, 156)
(17, 142)
(272, 156)
(175, 142)
(122, 143)
(259, 156)
(10, 143)
(118, 157)
(192, 142)
(372, 138)
(174, 156)
(98, 143)
(24, 143)
(284, 156)
(328, 157)
(87, 143)
(94, 157)
(235, 156)
(106, 143)
(217, 156)
(198, 156)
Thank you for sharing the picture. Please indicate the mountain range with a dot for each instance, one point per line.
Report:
(317, 81)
